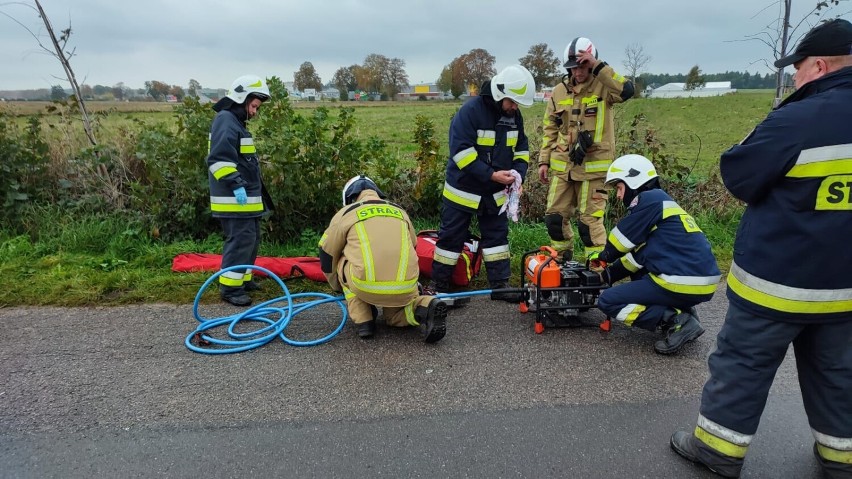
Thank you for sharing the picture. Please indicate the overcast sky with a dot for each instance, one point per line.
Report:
(216, 41)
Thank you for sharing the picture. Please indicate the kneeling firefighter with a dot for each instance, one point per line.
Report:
(664, 252)
(367, 252)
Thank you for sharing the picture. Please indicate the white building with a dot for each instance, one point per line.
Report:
(676, 90)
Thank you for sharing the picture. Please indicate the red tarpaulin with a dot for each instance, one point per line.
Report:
(302, 266)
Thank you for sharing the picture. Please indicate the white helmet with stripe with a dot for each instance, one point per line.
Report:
(579, 44)
(248, 85)
(515, 83)
(633, 170)
(355, 186)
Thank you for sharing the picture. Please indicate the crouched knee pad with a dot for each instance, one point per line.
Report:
(554, 226)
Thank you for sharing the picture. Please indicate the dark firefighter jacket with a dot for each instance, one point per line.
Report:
(482, 141)
(371, 243)
(231, 163)
(792, 255)
(659, 236)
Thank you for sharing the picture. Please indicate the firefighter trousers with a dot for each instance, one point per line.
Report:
(242, 239)
(565, 197)
(644, 304)
(455, 230)
(361, 311)
(749, 350)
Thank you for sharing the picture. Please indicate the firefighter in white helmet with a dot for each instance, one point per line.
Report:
(367, 252)
(664, 252)
(578, 146)
(488, 150)
(236, 188)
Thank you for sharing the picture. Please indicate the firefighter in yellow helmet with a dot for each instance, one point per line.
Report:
(367, 252)
(578, 146)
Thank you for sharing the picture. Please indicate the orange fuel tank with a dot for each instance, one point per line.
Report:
(550, 273)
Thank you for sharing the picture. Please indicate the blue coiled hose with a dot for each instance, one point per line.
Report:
(274, 328)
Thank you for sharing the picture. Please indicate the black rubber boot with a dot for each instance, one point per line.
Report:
(433, 320)
(443, 287)
(688, 446)
(235, 296)
(683, 328)
(251, 286)
(833, 469)
(508, 296)
(567, 255)
(366, 330)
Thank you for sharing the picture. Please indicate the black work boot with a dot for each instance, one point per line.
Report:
(832, 469)
(508, 296)
(235, 296)
(251, 286)
(432, 319)
(443, 287)
(366, 330)
(688, 446)
(682, 329)
(567, 255)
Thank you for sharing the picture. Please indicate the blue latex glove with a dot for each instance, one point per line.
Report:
(240, 195)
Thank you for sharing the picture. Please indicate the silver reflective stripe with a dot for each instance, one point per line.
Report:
(622, 239)
(232, 200)
(500, 195)
(788, 292)
(495, 249)
(233, 275)
(690, 280)
(447, 254)
(838, 443)
(722, 432)
(221, 164)
(463, 194)
(632, 260)
(824, 153)
(246, 141)
(464, 154)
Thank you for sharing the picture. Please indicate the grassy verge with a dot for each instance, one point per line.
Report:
(106, 261)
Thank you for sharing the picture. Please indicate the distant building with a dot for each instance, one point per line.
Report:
(677, 90)
(429, 91)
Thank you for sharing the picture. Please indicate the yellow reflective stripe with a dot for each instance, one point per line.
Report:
(495, 253)
(511, 138)
(522, 156)
(788, 299)
(551, 191)
(445, 257)
(347, 293)
(617, 77)
(385, 287)
(247, 276)
(593, 249)
(247, 146)
(599, 124)
(236, 208)
(486, 137)
(558, 165)
(621, 243)
(584, 196)
(718, 444)
(231, 278)
(670, 208)
(366, 252)
(834, 194)
(823, 161)
(404, 246)
(409, 314)
(209, 142)
(597, 166)
(629, 262)
(686, 284)
(629, 313)
(221, 169)
(500, 197)
(566, 101)
(467, 268)
(544, 142)
(323, 239)
(560, 245)
(465, 157)
(598, 214)
(827, 453)
(468, 200)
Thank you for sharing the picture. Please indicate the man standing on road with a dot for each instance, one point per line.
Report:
(578, 146)
(367, 252)
(236, 187)
(790, 280)
(488, 151)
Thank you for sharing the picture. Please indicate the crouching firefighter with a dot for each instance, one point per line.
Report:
(664, 252)
(367, 252)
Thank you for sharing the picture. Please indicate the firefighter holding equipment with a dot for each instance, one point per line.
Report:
(367, 252)
(790, 279)
(487, 141)
(578, 146)
(236, 187)
(665, 253)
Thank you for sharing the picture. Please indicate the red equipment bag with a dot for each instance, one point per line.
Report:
(301, 266)
(470, 260)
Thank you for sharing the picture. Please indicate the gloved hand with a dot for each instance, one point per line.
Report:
(240, 195)
(595, 262)
(578, 152)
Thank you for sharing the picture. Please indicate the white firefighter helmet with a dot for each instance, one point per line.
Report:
(515, 83)
(577, 45)
(355, 186)
(633, 170)
(248, 85)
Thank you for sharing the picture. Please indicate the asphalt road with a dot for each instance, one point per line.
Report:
(113, 392)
